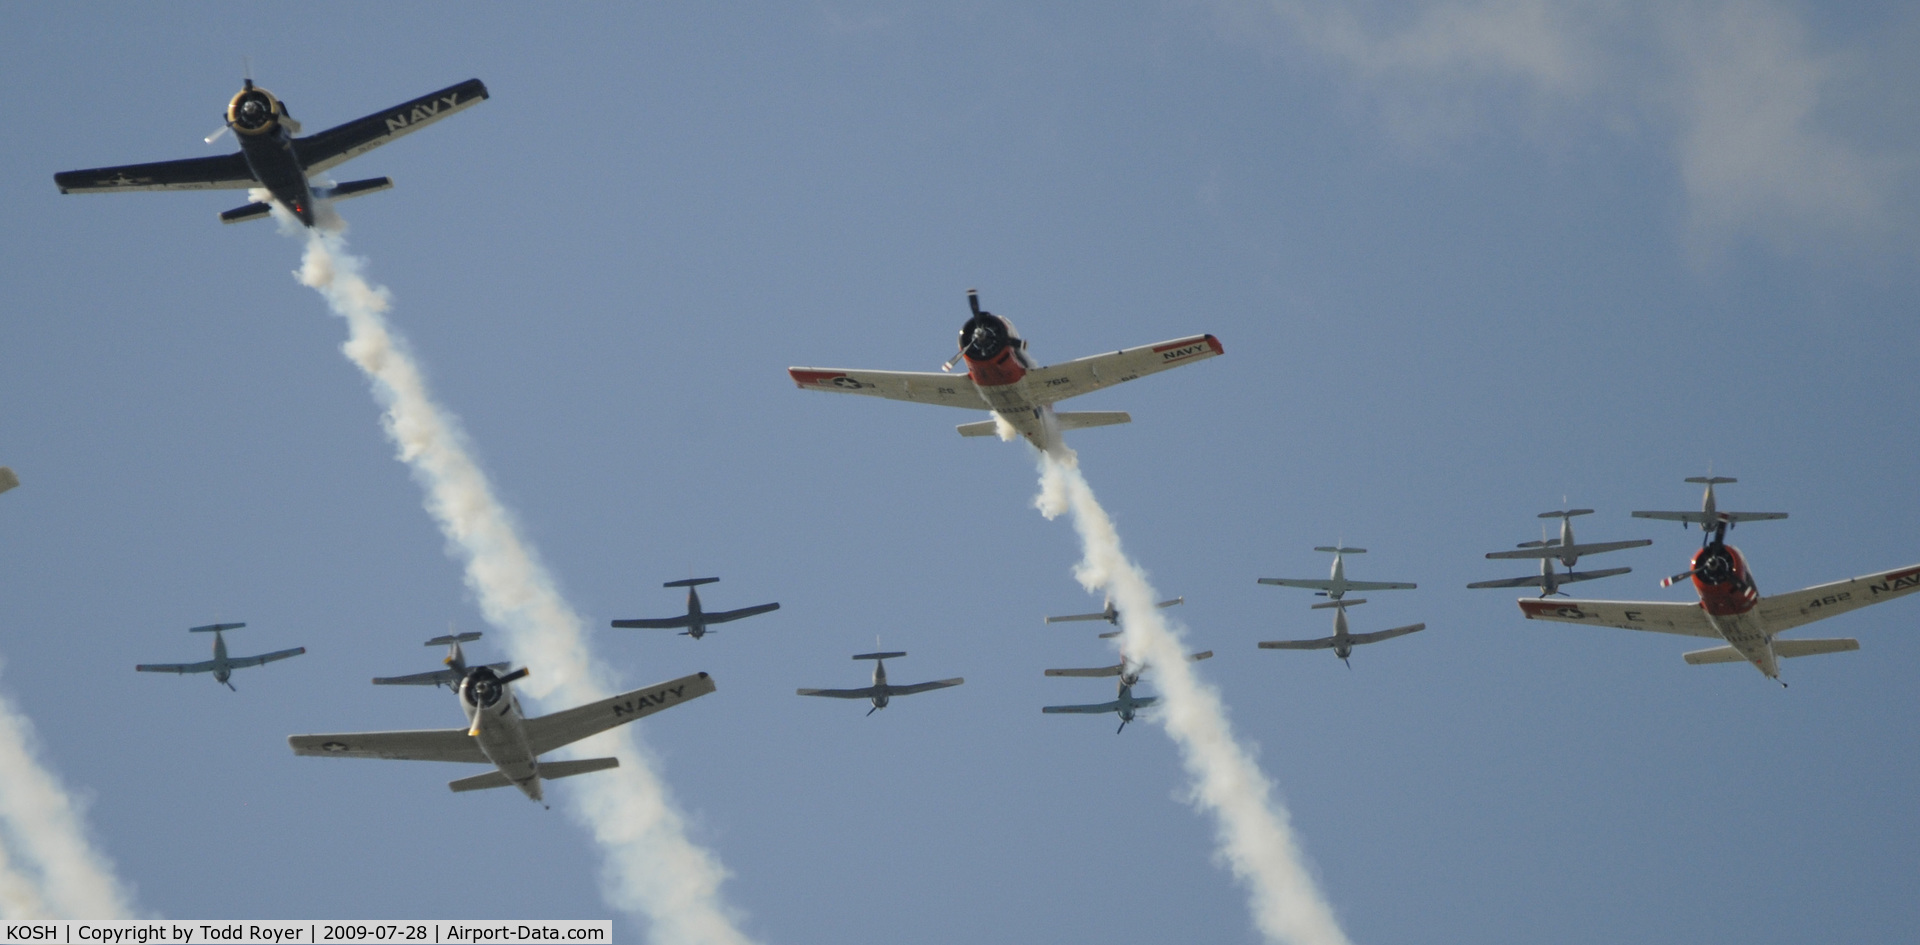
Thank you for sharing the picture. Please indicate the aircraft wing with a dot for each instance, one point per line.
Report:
(1796, 608)
(1324, 643)
(1686, 620)
(440, 744)
(726, 615)
(265, 658)
(1378, 635)
(924, 687)
(866, 693)
(1700, 518)
(205, 666)
(662, 623)
(1113, 670)
(1113, 706)
(229, 172)
(920, 387)
(439, 677)
(334, 145)
(1531, 581)
(1057, 382)
(1072, 617)
(1555, 551)
(548, 732)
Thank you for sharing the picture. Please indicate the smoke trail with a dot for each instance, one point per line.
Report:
(652, 868)
(47, 867)
(1251, 826)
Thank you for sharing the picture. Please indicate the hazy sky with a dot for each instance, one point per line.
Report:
(1469, 261)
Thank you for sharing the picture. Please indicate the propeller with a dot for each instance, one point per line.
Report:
(216, 135)
(973, 302)
(1682, 576)
(516, 675)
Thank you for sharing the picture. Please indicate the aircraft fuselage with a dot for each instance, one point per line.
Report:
(497, 726)
(260, 121)
(1728, 594)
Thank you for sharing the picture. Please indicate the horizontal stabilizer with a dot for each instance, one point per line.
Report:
(1323, 605)
(1083, 419)
(550, 770)
(1110, 634)
(252, 211)
(1788, 649)
(1718, 654)
(980, 428)
(215, 627)
(480, 782)
(1341, 551)
(354, 188)
(453, 638)
(876, 656)
(1567, 513)
(1712, 480)
(690, 582)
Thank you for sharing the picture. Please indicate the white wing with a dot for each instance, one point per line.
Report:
(1686, 620)
(444, 744)
(951, 390)
(1795, 608)
(1057, 382)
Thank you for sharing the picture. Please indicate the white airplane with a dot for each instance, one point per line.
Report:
(1337, 586)
(1730, 607)
(1110, 614)
(456, 662)
(498, 733)
(1565, 549)
(1126, 703)
(7, 479)
(1710, 515)
(881, 692)
(1342, 642)
(222, 665)
(696, 620)
(1004, 379)
(1128, 671)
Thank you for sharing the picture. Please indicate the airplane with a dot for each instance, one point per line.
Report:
(1731, 609)
(1564, 548)
(1126, 704)
(499, 734)
(1126, 669)
(221, 666)
(272, 157)
(1111, 614)
(456, 662)
(1342, 642)
(880, 693)
(696, 620)
(7, 479)
(1002, 377)
(1337, 586)
(1549, 580)
(1710, 514)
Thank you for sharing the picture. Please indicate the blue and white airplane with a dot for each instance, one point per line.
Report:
(881, 692)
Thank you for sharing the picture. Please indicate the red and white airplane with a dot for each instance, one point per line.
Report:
(1730, 606)
(1004, 379)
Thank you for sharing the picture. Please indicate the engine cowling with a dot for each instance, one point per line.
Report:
(254, 111)
(995, 352)
(482, 688)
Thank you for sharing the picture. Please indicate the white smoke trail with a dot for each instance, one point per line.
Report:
(1251, 826)
(48, 868)
(652, 868)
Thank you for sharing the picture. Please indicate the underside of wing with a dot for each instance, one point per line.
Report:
(1380, 586)
(1797, 608)
(266, 658)
(1098, 671)
(1378, 635)
(548, 732)
(441, 744)
(204, 666)
(228, 172)
(1686, 620)
(1555, 551)
(1083, 709)
(1069, 379)
(866, 693)
(663, 623)
(1073, 617)
(439, 677)
(1694, 518)
(1529, 581)
(1298, 582)
(920, 387)
(924, 687)
(321, 151)
(1321, 644)
(726, 615)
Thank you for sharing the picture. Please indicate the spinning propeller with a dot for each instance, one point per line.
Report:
(973, 300)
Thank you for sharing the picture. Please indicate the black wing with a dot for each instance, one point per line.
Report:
(321, 151)
(207, 173)
(726, 615)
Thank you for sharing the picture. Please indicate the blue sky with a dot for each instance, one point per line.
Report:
(1465, 259)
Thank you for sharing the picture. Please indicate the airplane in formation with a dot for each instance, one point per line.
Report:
(696, 621)
(499, 733)
(274, 157)
(1564, 550)
(222, 665)
(881, 692)
(1125, 703)
(1003, 378)
(1730, 607)
(1342, 642)
(1110, 614)
(1128, 671)
(1337, 585)
(456, 663)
